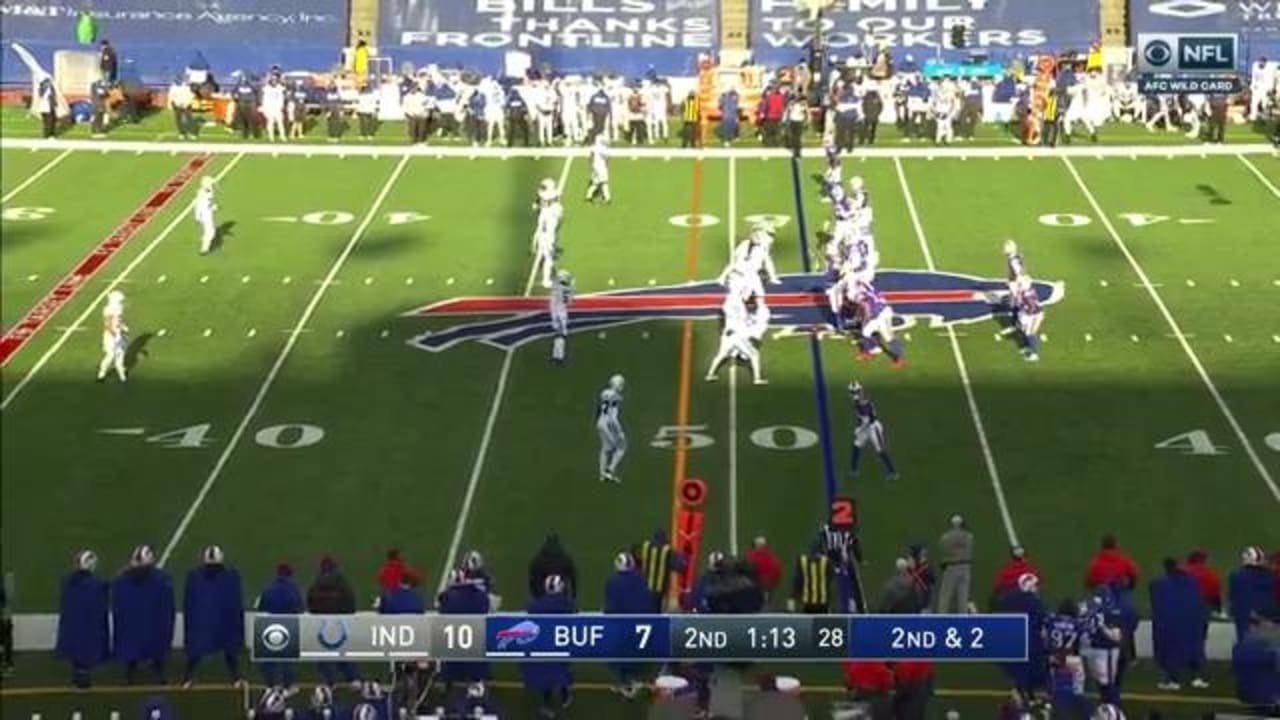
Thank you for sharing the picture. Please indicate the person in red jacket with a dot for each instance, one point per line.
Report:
(871, 682)
(1111, 566)
(1197, 566)
(914, 683)
(1007, 576)
(392, 571)
(768, 567)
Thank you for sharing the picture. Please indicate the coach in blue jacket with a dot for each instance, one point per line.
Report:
(1250, 590)
(552, 680)
(84, 634)
(1178, 615)
(213, 614)
(142, 610)
(281, 597)
(1255, 662)
(464, 596)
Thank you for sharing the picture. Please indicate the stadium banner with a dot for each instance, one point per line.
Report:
(622, 36)
(781, 30)
(1256, 22)
(160, 36)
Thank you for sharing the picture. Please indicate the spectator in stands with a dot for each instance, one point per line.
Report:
(552, 559)
(212, 614)
(1178, 616)
(142, 613)
(180, 99)
(626, 593)
(913, 683)
(1255, 662)
(955, 555)
(84, 636)
(367, 112)
(691, 114)
(280, 597)
(108, 63)
(729, 109)
(1207, 581)
(333, 107)
(767, 566)
(1007, 576)
(1110, 566)
(553, 681)
(871, 682)
(463, 597)
(1251, 590)
(331, 594)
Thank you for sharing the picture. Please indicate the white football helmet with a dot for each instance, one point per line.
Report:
(617, 382)
(206, 182)
(548, 185)
(856, 184)
(212, 555)
(1010, 248)
(624, 562)
(115, 298)
(86, 560)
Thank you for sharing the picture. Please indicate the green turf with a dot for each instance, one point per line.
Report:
(1072, 437)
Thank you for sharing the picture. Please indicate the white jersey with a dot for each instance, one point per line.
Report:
(561, 295)
(609, 410)
(113, 329)
(599, 165)
(272, 99)
(205, 205)
(757, 322)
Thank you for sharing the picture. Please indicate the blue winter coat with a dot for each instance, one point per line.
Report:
(84, 636)
(1177, 620)
(142, 610)
(544, 676)
(212, 611)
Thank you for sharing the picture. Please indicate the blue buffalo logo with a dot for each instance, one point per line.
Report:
(798, 303)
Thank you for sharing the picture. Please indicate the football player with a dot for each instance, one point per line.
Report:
(1029, 315)
(753, 258)
(548, 206)
(205, 207)
(832, 176)
(613, 439)
(867, 429)
(858, 196)
(735, 342)
(1061, 635)
(1103, 635)
(599, 186)
(1014, 266)
(114, 336)
(875, 321)
(560, 300)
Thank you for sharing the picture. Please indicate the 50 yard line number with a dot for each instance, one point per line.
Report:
(772, 437)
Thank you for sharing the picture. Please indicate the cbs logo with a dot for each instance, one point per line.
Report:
(276, 637)
(1157, 53)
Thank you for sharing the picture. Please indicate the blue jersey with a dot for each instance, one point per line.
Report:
(1062, 634)
(860, 200)
(870, 303)
(864, 410)
(1102, 624)
(843, 209)
(1028, 302)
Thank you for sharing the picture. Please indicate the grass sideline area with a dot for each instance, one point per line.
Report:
(276, 408)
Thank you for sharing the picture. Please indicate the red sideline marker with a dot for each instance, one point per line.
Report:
(36, 318)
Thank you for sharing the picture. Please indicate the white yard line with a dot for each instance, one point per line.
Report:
(96, 305)
(1177, 331)
(974, 413)
(1258, 173)
(36, 175)
(274, 372)
(495, 407)
(733, 375)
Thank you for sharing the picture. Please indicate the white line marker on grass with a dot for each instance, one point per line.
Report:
(974, 414)
(1258, 174)
(162, 278)
(449, 281)
(486, 437)
(161, 332)
(208, 332)
(261, 395)
(1230, 416)
(1134, 338)
(1228, 338)
(1191, 283)
(32, 278)
(204, 279)
(1088, 337)
(35, 176)
(1234, 282)
(252, 332)
(96, 305)
(286, 280)
(245, 279)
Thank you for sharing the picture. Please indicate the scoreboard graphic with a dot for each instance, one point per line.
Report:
(602, 638)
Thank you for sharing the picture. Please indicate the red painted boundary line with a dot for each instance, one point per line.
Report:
(44, 310)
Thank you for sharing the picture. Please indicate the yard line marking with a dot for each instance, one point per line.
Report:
(97, 302)
(495, 406)
(261, 395)
(32, 278)
(43, 311)
(35, 176)
(1173, 325)
(1234, 283)
(967, 384)
(1258, 174)
(733, 374)
(1191, 283)
(123, 431)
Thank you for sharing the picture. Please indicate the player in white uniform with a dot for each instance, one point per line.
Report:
(545, 234)
(599, 185)
(273, 95)
(735, 342)
(114, 339)
(560, 300)
(613, 440)
(944, 109)
(204, 210)
(657, 104)
(752, 259)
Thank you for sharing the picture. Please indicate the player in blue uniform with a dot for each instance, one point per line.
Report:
(875, 320)
(1103, 637)
(1061, 635)
(1028, 316)
(868, 429)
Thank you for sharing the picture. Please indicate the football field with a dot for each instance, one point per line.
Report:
(287, 397)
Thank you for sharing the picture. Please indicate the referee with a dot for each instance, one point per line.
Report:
(658, 560)
(811, 589)
(691, 112)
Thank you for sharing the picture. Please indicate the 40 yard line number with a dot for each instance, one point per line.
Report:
(1197, 442)
(286, 436)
